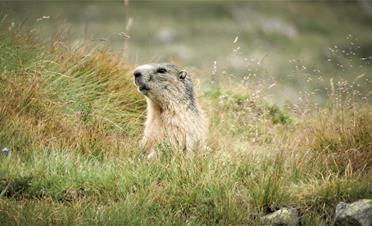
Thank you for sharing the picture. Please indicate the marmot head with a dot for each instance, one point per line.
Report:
(165, 84)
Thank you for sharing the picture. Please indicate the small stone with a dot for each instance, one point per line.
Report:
(355, 214)
(284, 216)
(5, 150)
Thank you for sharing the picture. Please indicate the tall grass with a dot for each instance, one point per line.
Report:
(79, 97)
(71, 118)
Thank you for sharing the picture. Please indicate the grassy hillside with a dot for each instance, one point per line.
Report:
(300, 45)
(72, 118)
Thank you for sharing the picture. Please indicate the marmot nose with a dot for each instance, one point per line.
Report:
(137, 74)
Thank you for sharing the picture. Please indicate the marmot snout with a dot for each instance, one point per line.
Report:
(173, 113)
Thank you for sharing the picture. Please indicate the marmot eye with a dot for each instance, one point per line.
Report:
(161, 70)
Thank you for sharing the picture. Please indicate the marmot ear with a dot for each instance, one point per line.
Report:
(182, 74)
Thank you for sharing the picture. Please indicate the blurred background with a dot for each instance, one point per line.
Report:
(289, 50)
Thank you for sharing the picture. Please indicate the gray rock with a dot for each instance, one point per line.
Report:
(284, 216)
(165, 35)
(355, 214)
(5, 151)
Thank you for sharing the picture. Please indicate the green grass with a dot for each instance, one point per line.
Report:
(72, 119)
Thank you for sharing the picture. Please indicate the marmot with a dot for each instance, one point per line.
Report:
(173, 113)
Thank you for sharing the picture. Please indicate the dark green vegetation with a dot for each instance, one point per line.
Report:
(72, 119)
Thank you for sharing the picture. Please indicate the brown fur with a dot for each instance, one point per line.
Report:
(173, 113)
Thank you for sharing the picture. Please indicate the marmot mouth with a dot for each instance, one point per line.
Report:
(143, 88)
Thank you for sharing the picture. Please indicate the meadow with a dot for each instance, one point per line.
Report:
(299, 45)
(72, 118)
